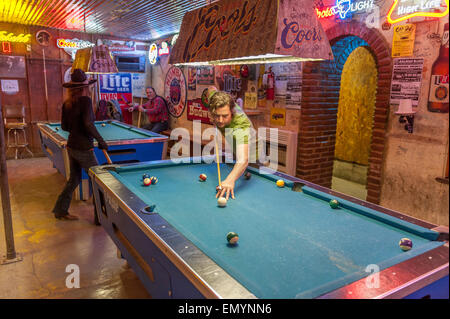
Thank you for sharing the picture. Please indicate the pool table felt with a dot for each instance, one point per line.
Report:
(291, 244)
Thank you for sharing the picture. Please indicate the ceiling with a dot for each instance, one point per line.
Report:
(136, 19)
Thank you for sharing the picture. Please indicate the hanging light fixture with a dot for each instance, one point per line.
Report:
(231, 32)
(95, 60)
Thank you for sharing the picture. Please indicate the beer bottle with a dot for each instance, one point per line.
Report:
(438, 96)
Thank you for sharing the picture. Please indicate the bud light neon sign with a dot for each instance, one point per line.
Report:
(344, 8)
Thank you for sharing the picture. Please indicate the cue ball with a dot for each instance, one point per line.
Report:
(202, 177)
(222, 202)
(280, 183)
(405, 244)
(147, 181)
(232, 238)
(103, 124)
(334, 203)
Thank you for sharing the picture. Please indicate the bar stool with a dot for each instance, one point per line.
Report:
(14, 118)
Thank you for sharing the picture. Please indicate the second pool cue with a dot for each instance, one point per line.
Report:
(139, 116)
(107, 156)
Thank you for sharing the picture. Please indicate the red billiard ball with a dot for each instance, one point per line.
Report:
(202, 177)
(147, 181)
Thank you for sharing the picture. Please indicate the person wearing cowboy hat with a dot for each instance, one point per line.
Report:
(78, 119)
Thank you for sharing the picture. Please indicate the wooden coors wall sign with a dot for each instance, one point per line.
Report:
(235, 28)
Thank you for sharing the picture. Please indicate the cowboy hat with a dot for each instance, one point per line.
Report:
(78, 79)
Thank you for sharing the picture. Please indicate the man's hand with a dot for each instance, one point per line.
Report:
(141, 109)
(131, 109)
(227, 189)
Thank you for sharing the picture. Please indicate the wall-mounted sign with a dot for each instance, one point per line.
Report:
(5, 36)
(175, 91)
(6, 47)
(407, 9)
(10, 86)
(197, 111)
(403, 40)
(12, 66)
(344, 8)
(70, 46)
(153, 53)
(406, 80)
(43, 38)
(117, 87)
(277, 116)
(117, 46)
(164, 50)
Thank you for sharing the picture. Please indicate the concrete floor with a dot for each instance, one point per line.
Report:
(48, 245)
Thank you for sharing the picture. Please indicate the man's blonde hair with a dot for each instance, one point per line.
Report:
(220, 99)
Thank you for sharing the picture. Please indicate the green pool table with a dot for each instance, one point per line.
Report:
(292, 244)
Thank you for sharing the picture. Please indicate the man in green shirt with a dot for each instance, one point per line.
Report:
(239, 133)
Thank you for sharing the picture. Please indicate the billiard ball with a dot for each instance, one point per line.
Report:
(153, 180)
(222, 201)
(202, 177)
(103, 124)
(405, 244)
(232, 238)
(247, 175)
(56, 128)
(147, 181)
(145, 176)
(280, 183)
(334, 203)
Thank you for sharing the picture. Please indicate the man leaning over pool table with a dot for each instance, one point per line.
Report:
(238, 130)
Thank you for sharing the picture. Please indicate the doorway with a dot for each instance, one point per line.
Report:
(355, 116)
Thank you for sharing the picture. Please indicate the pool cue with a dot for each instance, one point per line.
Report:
(217, 160)
(139, 117)
(107, 156)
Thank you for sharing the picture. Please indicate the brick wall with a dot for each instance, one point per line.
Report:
(320, 98)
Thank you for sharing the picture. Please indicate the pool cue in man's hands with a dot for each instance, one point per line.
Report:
(139, 117)
(107, 156)
(217, 160)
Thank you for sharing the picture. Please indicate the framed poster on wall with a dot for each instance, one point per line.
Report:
(12, 66)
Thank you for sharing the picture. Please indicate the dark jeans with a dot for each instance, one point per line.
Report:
(78, 160)
(157, 127)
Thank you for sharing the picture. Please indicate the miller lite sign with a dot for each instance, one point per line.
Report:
(118, 87)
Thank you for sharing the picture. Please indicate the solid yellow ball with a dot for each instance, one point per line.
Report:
(280, 183)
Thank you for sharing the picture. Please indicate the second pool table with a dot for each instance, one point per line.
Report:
(126, 144)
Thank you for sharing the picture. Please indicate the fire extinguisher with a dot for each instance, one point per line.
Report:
(270, 85)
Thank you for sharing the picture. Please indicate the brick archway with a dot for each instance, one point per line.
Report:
(320, 98)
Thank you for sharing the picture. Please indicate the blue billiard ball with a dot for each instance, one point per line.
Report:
(145, 176)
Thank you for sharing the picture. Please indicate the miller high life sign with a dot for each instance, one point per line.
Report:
(407, 9)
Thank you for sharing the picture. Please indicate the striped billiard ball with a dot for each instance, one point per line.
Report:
(405, 244)
(232, 238)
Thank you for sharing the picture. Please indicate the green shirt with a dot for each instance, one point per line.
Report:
(241, 131)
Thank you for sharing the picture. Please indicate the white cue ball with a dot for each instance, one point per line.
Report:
(222, 202)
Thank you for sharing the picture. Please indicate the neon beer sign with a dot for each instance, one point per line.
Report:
(344, 8)
(407, 9)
